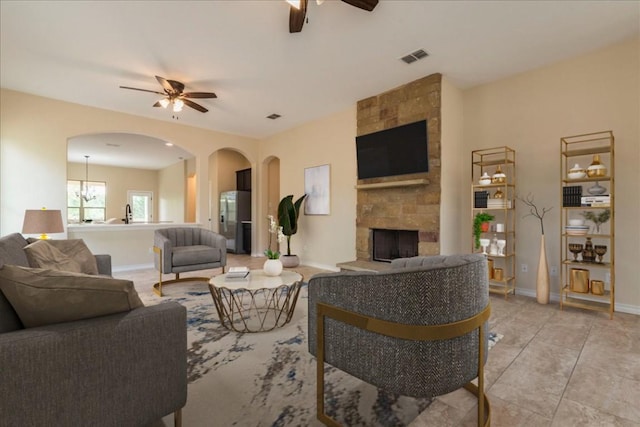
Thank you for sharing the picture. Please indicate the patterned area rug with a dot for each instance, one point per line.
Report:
(268, 378)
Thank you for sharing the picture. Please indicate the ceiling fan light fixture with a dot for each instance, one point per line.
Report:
(164, 102)
(294, 3)
(177, 105)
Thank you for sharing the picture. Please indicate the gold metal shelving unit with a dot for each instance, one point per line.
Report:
(581, 150)
(490, 160)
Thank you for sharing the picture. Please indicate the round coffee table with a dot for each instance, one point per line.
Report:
(257, 304)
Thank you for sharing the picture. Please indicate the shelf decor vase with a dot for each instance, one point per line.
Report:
(542, 281)
(272, 267)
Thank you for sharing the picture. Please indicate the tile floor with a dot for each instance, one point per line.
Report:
(552, 368)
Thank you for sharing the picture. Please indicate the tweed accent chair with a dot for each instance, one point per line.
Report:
(181, 249)
(418, 329)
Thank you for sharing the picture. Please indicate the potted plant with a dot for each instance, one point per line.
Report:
(597, 219)
(478, 220)
(288, 212)
(273, 265)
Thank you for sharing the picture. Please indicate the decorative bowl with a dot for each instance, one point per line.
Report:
(575, 222)
(577, 174)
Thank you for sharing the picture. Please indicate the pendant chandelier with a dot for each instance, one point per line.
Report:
(85, 193)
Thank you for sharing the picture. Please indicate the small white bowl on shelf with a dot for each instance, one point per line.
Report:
(576, 222)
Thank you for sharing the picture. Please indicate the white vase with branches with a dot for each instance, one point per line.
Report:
(542, 279)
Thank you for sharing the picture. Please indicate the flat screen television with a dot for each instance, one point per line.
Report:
(397, 151)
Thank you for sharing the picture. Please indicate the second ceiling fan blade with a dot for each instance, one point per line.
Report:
(199, 95)
(170, 86)
(195, 106)
(297, 16)
(367, 5)
(142, 90)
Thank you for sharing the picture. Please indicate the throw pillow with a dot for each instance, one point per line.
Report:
(42, 297)
(77, 250)
(43, 255)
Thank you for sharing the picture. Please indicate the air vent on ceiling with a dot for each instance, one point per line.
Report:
(273, 116)
(414, 56)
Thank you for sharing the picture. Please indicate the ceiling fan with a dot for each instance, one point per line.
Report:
(174, 95)
(298, 11)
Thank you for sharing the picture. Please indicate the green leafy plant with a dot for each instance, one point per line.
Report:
(597, 219)
(271, 254)
(480, 218)
(288, 212)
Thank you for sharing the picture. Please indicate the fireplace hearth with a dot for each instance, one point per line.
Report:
(392, 244)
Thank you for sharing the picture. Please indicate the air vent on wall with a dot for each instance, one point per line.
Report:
(414, 56)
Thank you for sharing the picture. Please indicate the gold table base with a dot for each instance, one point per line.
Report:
(255, 310)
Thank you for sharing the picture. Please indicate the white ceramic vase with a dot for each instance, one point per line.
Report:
(272, 267)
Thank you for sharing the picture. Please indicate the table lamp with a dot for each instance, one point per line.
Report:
(42, 221)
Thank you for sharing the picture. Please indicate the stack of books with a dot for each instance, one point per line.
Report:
(571, 196)
(602, 201)
(499, 204)
(237, 274)
(480, 199)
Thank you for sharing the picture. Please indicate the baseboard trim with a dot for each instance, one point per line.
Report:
(620, 308)
(131, 267)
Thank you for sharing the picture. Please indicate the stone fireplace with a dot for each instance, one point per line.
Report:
(406, 203)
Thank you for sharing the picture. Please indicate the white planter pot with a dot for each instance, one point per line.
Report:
(272, 267)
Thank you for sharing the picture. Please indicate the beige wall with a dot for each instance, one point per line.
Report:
(119, 181)
(455, 161)
(322, 240)
(530, 113)
(172, 193)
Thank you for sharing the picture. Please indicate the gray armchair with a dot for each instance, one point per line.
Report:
(125, 369)
(182, 249)
(416, 330)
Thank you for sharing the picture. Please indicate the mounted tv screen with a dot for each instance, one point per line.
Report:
(398, 151)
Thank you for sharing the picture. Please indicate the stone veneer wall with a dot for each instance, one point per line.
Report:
(402, 207)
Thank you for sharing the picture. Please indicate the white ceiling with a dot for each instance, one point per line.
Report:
(82, 51)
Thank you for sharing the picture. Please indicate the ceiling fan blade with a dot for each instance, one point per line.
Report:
(367, 5)
(199, 95)
(195, 106)
(157, 104)
(142, 90)
(297, 16)
(170, 86)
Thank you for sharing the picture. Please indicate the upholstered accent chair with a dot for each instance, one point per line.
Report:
(418, 329)
(182, 249)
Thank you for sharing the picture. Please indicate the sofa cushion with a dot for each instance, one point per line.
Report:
(11, 251)
(198, 254)
(43, 255)
(75, 249)
(41, 297)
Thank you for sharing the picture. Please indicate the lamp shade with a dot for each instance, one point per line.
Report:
(42, 221)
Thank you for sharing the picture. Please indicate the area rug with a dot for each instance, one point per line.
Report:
(268, 378)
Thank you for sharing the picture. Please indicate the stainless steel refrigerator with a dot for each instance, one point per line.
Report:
(235, 209)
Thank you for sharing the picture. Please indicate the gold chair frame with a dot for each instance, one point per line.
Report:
(157, 287)
(407, 332)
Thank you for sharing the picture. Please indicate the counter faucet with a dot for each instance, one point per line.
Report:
(127, 214)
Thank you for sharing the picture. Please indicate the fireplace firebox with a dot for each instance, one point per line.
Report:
(391, 244)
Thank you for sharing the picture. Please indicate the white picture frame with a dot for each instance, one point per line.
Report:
(317, 187)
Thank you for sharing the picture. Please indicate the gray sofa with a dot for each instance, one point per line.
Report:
(393, 329)
(124, 369)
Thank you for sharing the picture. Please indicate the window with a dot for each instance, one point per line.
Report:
(141, 206)
(81, 210)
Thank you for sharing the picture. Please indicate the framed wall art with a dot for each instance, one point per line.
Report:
(317, 187)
